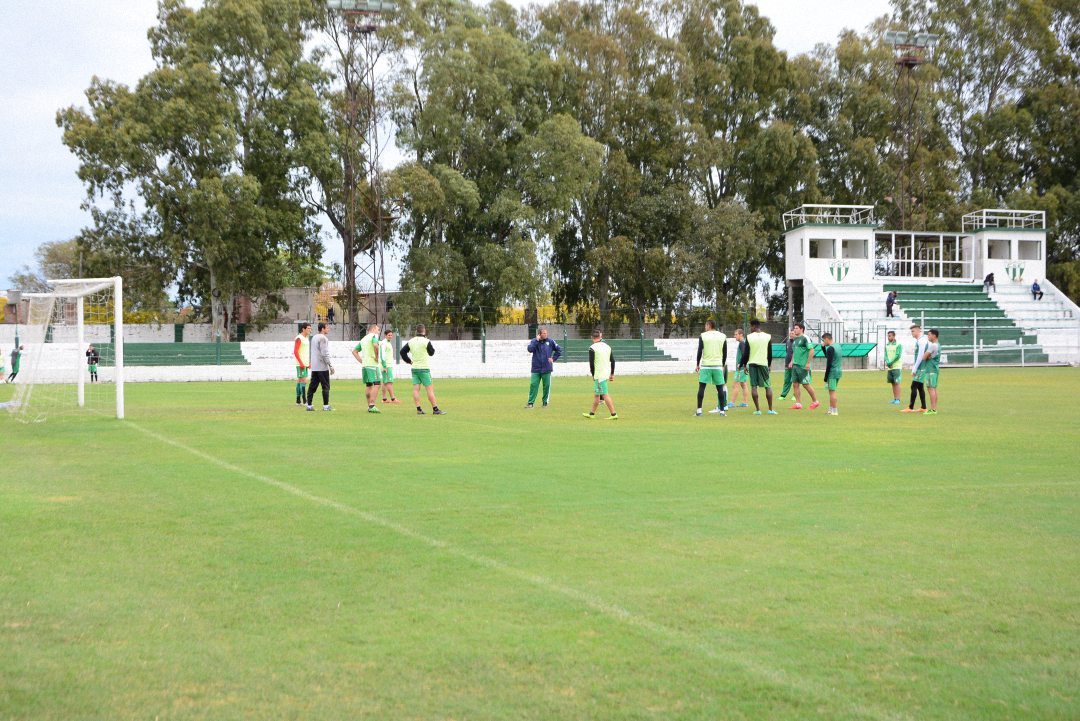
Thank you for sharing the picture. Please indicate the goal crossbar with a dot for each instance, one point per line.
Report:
(99, 285)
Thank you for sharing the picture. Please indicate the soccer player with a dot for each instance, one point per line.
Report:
(602, 369)
(833, 371)
(417, 353)
(802, 355)
(760, 358)
(367, 352)
(712, 366)
(321, 368)
(386, 367)
(302, 353)
(544, 354)
(893, 361)
(931, 366)
(917, 387)
(92, 360)
(16, 356)
(742, 353)
(788, 355)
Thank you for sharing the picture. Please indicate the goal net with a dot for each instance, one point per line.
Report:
(72, 358)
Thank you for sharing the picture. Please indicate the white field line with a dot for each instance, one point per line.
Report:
(735, 497)
(680, 638)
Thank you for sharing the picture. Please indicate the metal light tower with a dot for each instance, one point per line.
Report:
(911, 49)
(365, 271)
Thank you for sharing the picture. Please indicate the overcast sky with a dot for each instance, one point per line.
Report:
(50, 52)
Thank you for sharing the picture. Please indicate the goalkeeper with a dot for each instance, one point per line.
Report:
(92, 360)
(16, 356)
(321, 368)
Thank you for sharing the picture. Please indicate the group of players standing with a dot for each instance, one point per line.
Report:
(753, 358)
(375, 354)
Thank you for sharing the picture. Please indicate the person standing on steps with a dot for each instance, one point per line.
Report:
(544, 354)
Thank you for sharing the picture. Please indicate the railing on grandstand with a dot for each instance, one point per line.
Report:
(971, 341)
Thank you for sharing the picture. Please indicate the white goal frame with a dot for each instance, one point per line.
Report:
(88, 286)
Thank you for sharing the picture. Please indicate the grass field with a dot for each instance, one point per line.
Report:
(222, 554)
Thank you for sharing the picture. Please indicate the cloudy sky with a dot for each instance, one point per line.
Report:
(49, 53)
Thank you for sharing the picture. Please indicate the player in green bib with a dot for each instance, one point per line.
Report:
(833, 372)
(367, 352)
(758, 365)
(742, 378)
(417, 353)
(802, 355)
(302, 356)
(386, 367)
(602, 370)
(894, 353)
(711, 366)
(930, 368)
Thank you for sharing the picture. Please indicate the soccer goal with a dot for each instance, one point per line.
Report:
(57, 370)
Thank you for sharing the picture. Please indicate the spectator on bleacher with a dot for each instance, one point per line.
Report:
(988, 281)
(890, 300)
(1036, 291)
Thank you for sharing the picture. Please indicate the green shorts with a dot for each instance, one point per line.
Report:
(759, 376)
(712, 376)
(831, 383)
(301, 372)
(741, 376)
(371, 375)
(599, 387)
(387, 375)
(421, 377)
(801, 375)
(927, 378)
(893, 375)
(93, 367)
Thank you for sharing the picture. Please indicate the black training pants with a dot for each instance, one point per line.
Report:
(319, 378)
(917, 388)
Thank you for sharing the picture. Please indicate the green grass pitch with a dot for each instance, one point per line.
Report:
(224, 555)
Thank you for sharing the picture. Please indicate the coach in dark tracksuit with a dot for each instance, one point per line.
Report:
(544, 354)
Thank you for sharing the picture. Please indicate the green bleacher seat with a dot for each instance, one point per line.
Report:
(174, 354)
(953, 309)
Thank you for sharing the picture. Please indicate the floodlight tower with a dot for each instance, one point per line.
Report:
(911, 50)
(365, 271)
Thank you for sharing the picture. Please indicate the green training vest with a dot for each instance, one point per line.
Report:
(712, 355)
(418, 349)
(897, 363)
(601, 360)
(759, 348)
(367, 348)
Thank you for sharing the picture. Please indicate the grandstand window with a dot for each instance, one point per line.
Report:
(999, 250)
(1029, 250)
(822, 248)
(855, 248)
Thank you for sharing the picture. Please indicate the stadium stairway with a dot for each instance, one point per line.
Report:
(953, 310)
(1051, 320)
(862, 308)
(175, 354)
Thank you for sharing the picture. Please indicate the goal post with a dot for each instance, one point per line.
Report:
(58, 371)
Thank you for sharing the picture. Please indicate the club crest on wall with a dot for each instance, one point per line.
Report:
(838, 269)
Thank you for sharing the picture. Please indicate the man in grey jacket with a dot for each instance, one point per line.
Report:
(320, 368)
